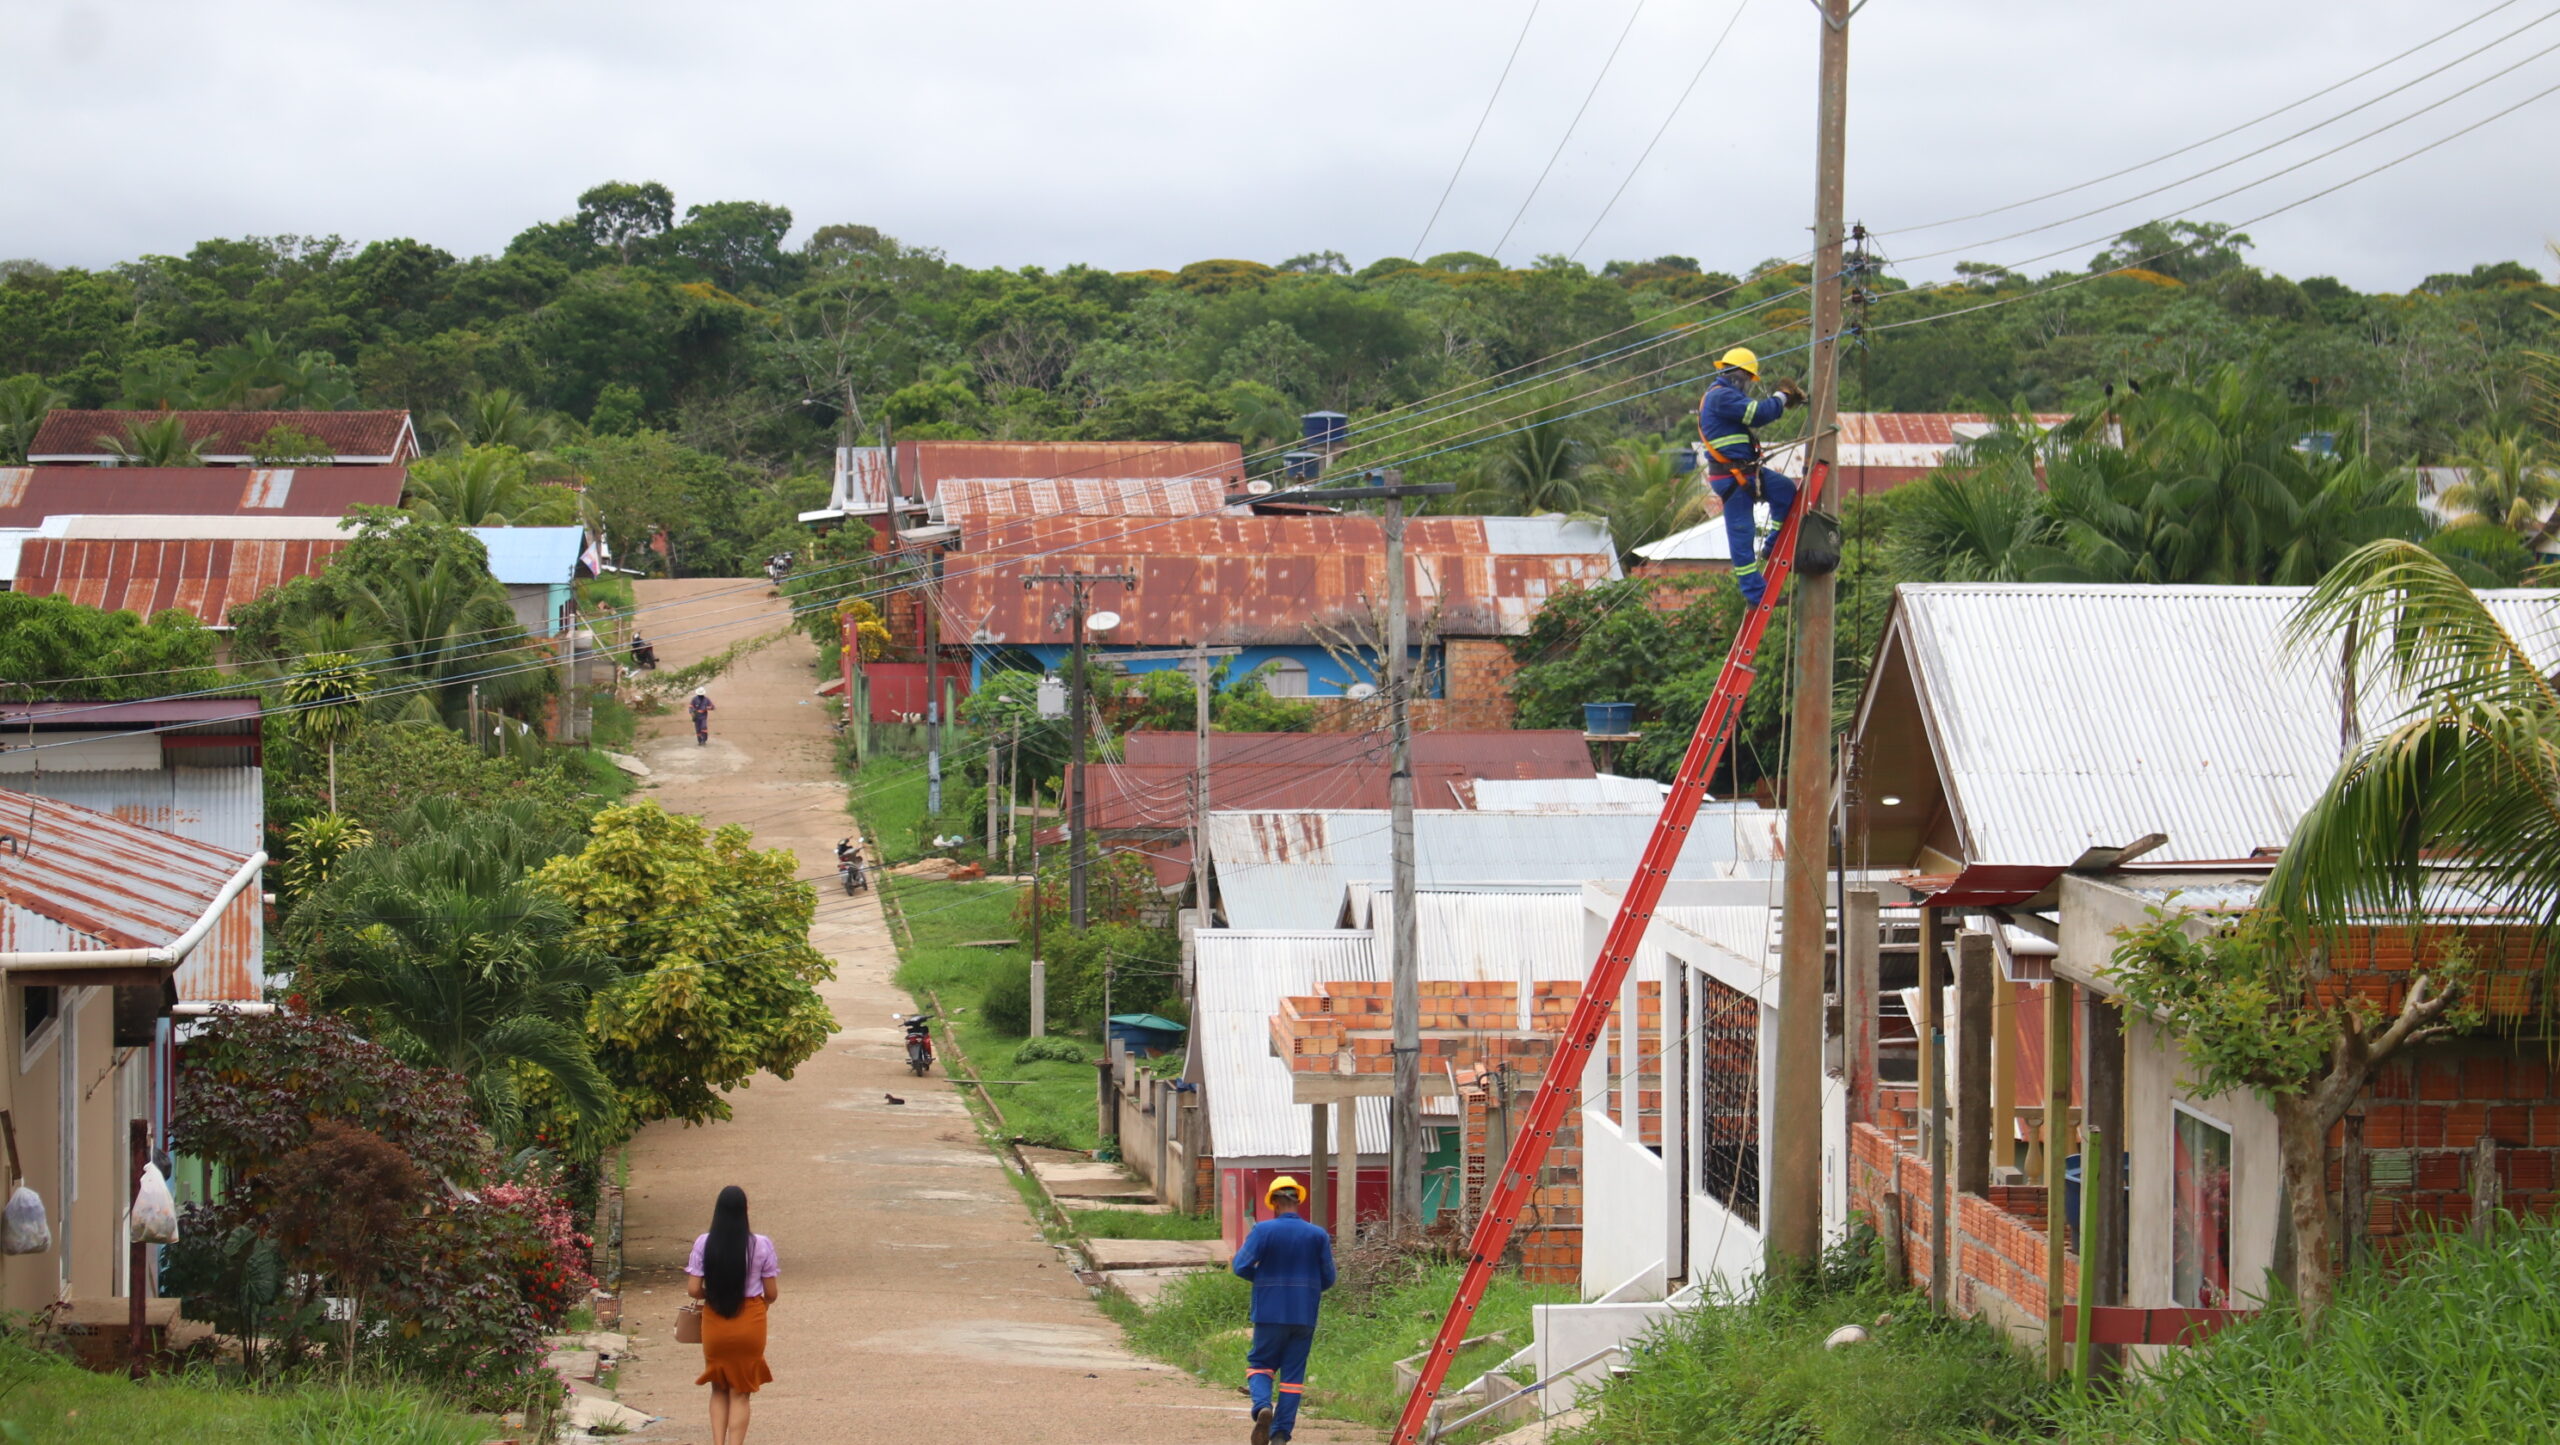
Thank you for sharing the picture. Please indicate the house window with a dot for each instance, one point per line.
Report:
(2200, 1247)
(1287, 678)
(1728, 1099)
(37, 1009)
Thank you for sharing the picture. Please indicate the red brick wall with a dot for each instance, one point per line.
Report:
(1478, 687)
(1995, 1246)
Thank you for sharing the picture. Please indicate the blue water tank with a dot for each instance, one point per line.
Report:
(1325, 430)
(1303, 466)
(1684, 460)
(1609, 719)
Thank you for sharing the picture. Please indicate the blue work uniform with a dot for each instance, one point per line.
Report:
(1290, 1262)
(1725, 416)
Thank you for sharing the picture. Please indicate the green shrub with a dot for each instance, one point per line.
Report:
(1006, 1005)
(1045, 1050)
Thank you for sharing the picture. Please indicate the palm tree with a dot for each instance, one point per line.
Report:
(1534, 469)
(328, 695)
(1646, 497)
(444, 628)
(2509, 482)
(451, 955)
(161, 442)
(24, 401)
(1981, 516)
(487, 486)
(499, 418)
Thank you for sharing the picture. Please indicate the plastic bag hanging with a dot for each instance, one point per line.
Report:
(23, 1229)
(155, 1214)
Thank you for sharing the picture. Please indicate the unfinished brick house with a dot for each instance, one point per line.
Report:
(2051, 764)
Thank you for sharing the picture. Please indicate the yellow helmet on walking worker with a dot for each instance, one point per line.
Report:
(1741, 358)
(1271, 1193)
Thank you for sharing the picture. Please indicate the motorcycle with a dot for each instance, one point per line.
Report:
(643, 656)
(778, 566)
(920, 1045)
(849, 868)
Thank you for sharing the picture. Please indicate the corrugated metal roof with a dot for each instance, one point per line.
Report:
(977, 500)
(105, 881)
(924, 466)
(264, 527)
(2072, 717)
(1291, 869)
(1702, 543)
(1240, 979)
(532, 556)
(1550, 534)
(205, 577)
(1606, 792)
(1241, 580)
(352, 436)
(28, 495)
(1881, 449)
(1483, 752)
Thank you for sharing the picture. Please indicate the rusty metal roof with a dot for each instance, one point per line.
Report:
(1484, 753)
(28, 495)
(206, 577)
(924, 466)
(74, 879)
(1245, 580)
(357, 437)
(992, 500)
(1881, 449)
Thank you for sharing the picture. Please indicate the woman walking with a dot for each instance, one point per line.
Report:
(737, 1276)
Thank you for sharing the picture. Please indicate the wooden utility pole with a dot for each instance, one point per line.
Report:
(1200, 782)
(1080, 591)
(933, 692)
(995, 770)
(1404, 1112)
(1794, 1239)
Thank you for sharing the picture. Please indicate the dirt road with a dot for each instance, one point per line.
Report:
(919, 1302)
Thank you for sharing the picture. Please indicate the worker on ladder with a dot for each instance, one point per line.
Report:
(1728, 417)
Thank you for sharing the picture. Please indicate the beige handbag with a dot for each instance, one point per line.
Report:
(689, 1324)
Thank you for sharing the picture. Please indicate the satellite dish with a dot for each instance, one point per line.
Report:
(1360, 691)
(1102, 622)
(1258, 487)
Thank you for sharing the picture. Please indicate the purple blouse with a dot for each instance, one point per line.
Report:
(762, 1263)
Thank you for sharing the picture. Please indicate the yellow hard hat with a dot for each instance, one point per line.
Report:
(1742, 358)
(1283, 1182)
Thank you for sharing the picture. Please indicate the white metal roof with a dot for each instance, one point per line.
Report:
(2070, 717)
(1702, 543)
(1290, 869)
(1607, 793)
(1547, 535)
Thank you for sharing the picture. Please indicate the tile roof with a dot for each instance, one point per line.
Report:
(357, 437)
(28, 495)
(79, 880)
(1245, 580)
(203, 576)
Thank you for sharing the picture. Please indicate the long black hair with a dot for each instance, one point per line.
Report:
(724, 1253)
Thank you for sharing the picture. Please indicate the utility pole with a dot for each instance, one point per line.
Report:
(995, 770)
(933, 692)
(1080, 589)
(1404, 1113)
(1794, 1239)
(1200, 778)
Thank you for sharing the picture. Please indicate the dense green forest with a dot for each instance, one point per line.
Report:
(695, 348)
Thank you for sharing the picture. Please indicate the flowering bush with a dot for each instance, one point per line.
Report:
(551, 1262)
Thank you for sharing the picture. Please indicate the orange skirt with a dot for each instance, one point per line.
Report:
(733, 1349)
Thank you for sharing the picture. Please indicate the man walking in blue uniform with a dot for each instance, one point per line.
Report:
(1290, 1262)
(1727, 415)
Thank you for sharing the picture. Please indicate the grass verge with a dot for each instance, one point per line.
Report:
(47, 1399)
(1131, 1224)
(1199, 1323)
(1047, 1102)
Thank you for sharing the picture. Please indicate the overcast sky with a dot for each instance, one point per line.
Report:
(1138, 133)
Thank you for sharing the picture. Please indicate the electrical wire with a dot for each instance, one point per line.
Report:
(1665, 128)
(1570, 126)
(1478, 133)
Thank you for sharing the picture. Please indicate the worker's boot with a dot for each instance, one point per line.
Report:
(1262, 1426)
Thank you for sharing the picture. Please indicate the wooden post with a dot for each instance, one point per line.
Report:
(2102, 1169)
(2484, 1185)
(138, 1262)
(2354, 1179)
(2004, 1076)
(1346, 1163)
(1319, 1164)
(1926, 1025)
(1860, 941)
(1974, 970)
(2057, 1125)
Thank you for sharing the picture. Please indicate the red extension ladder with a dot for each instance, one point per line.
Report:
(1600, 991)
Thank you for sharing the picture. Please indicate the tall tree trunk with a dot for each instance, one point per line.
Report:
(2303, 1140)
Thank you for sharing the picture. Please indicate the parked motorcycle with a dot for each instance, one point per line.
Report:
(778, 566)
(920, 1045)
(643, 656)
(849, 867)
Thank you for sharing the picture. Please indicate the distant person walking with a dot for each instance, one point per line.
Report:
(737, 1276)
(1290, 1262)
(701, 707)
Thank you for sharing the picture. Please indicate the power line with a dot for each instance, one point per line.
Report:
(1665, 128)
(1478, 134)
(1567, 137)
